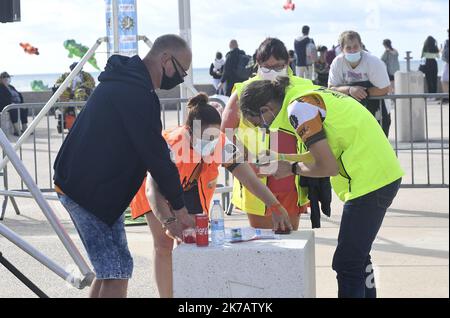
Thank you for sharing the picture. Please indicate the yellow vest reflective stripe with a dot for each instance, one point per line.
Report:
(366, 158)
(256, 143)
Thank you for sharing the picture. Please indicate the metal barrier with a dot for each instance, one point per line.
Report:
(420, 158)
(41, 148)
(38, 147)
(85, 276)
(45, 142)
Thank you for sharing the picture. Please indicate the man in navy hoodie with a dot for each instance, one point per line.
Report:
(115, 141)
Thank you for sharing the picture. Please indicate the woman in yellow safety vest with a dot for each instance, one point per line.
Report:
(348, 144)
(198, 148)
(273, 60)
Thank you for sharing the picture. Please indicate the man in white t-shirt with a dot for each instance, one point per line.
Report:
(359, 74)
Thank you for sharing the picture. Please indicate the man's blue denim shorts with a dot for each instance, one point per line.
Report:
(106, 246)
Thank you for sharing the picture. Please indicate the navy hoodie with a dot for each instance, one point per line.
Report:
(114, 142)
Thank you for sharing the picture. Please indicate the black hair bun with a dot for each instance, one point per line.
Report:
(198, 101)
(281, 83)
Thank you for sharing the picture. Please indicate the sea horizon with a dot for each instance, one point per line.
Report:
(22, 82)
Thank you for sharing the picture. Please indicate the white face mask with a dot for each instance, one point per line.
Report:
(205, 148)
(353, 57)
(271, 75)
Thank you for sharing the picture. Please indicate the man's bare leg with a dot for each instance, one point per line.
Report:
(95, 289)
(114, 289)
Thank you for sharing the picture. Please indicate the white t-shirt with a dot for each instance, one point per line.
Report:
(371, 68)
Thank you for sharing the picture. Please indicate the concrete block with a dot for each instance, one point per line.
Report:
(410, 110)
(261, 269)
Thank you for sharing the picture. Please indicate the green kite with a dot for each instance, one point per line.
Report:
(79, 50)
(39, 86)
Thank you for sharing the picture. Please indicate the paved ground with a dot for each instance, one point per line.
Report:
(411, 254)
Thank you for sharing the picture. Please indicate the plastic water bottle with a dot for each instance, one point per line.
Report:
(245, 234)
(217, 224)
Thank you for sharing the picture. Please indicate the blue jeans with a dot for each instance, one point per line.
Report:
(106, 246)
(361, 220)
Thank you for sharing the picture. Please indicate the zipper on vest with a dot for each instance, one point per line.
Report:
(242, 190)
(286, 131)
(184, 183)
(347, 176)
(193, 171)
(203, 193)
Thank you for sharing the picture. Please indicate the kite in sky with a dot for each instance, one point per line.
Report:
(28, 48)
(289, 5)
(79, 50)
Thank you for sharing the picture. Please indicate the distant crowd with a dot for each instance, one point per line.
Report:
(331, 66)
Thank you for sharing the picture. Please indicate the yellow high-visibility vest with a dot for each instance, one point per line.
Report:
(255, 141)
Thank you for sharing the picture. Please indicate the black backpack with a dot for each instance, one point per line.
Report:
(244, 67)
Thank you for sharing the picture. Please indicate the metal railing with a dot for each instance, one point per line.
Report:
(424, 159)
(41, 148)
(79, 279)
(84, 276)
(420, 158)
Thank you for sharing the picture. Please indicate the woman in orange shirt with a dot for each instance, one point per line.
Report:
(198, 149)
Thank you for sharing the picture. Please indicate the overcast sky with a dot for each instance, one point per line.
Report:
(46, 24)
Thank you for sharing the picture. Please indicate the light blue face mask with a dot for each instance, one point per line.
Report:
(205, 148)
(353, 57)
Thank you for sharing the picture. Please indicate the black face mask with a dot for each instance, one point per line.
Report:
(167, 83)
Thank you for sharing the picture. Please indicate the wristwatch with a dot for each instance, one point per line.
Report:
(295, 168)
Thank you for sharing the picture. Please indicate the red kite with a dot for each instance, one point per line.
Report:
(28, 48)
(289, 5)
